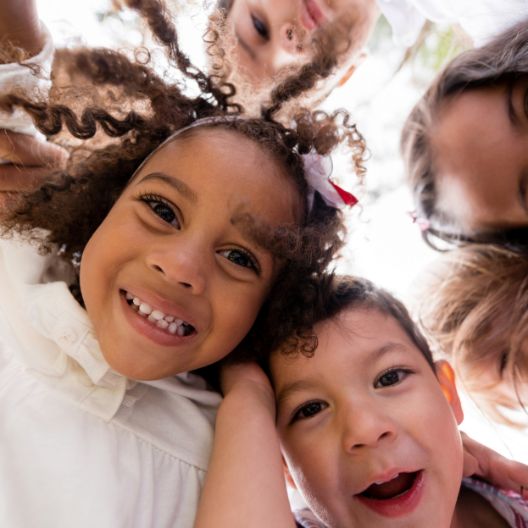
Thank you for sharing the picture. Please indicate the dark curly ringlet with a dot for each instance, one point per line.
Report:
(504, 60)
(72, 207)
(335, 294)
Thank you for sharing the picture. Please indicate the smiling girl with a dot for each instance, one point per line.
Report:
(160, 249)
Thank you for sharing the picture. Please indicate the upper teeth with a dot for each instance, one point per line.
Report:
(166, 322)
(379, 482)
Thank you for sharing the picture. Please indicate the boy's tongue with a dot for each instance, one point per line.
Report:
(390, 489)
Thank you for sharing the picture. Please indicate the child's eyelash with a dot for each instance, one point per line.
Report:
(308, 410)
(161, 207)
(392, 376)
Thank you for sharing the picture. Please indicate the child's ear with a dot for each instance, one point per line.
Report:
(288, 475)
(446, 378)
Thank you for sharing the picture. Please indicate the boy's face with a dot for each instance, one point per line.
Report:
(171, 281)
(368, 433)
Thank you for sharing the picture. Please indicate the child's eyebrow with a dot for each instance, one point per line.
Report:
(179, 185)
(391, 346)
(307, 384)
(291, 388)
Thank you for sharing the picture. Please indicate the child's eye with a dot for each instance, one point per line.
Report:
(241, 258)
(260, 27)
(161, 208)
(308, 410)
(391, 377)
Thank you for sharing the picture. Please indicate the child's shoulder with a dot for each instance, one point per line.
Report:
(510, 505)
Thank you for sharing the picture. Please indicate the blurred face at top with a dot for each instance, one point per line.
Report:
(271, 35)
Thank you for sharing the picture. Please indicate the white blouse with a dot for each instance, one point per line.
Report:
(480, 19)
(81, 445)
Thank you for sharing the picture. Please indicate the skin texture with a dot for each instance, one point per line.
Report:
(178, 247)
(270, 35)
(354, 403)
(480, 147)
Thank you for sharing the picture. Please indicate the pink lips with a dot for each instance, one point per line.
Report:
(402, 504)
(312, 16)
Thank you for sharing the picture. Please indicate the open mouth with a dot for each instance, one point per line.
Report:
(395, 497)
(399, 485)
(166, 322)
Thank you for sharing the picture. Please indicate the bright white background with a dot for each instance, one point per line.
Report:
(385, 245)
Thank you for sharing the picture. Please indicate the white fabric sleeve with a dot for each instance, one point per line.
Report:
(480, 19)
(19, 78)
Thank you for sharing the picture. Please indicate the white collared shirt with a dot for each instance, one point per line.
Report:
(81, 445)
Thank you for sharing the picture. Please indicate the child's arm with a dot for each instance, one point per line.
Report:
(245, 482)
(501, 472)
(26, 159)
(20, 30)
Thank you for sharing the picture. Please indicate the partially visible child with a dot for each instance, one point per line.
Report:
(476, 312)
(367, 424)
(465, 145)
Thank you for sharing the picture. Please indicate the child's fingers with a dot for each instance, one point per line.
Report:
(512, 475)
(234, 373)
(247, 380)
(14, 179)
(24, 150)
(497, 469)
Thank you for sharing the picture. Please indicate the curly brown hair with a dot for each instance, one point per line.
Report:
(476, 313)
(114, 144)
(504, 60)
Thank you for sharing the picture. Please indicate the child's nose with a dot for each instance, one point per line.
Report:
(180, 266)
(364, 427)
(290, 38)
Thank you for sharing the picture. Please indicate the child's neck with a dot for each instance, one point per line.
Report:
(474, 511)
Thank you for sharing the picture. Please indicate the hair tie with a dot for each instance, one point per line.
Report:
(317, 171)
(420, 221)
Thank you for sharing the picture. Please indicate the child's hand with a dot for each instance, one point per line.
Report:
(484, 462)
(31, 162)
(20, 26)
(248, 380)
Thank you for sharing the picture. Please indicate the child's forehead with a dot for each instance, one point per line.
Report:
(201, 141)
(361, 321)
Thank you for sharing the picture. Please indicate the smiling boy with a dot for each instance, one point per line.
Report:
(367, 427)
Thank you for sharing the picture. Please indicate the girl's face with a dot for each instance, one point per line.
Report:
(171, 281)
(368, 433)
(480, 147)
(270, 35)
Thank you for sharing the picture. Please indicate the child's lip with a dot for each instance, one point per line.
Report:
(397, 506)
(312, 16)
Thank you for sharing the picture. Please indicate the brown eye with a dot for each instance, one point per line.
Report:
(160, 207)
(308, 410)
(391, 377)
(260, 27)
